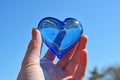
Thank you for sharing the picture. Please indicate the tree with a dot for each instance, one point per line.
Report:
(95, 75)
(111, 73)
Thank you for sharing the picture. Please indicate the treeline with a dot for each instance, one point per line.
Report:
(111, 73)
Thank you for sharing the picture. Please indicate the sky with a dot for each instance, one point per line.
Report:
(100, 20)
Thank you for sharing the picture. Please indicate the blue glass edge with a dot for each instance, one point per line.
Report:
(62, 22)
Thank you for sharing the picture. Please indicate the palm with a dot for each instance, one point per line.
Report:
(54, 72)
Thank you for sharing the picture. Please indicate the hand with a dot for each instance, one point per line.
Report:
(71, 67)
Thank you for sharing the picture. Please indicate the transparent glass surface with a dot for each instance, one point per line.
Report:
(60, 36)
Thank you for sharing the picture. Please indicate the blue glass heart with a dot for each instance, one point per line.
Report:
(60, 36)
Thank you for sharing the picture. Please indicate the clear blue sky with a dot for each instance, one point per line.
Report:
(100, 19)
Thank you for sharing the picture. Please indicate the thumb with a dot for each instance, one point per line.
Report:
(32, 56)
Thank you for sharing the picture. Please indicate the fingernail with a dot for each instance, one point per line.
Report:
(33, 33)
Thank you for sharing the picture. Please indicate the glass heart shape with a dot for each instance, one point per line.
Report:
(60, 36)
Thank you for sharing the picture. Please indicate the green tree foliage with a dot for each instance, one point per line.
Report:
(111, 73)
(95, 75)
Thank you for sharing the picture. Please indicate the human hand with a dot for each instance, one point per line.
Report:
(71, 67)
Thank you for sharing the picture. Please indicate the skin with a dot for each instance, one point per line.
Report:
(71, 67)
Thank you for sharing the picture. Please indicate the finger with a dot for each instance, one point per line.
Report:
(83, 42)
(50, 56)
(80, 72)
(62, 62)
(33, 52)
(75, 59)
(73, 64)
